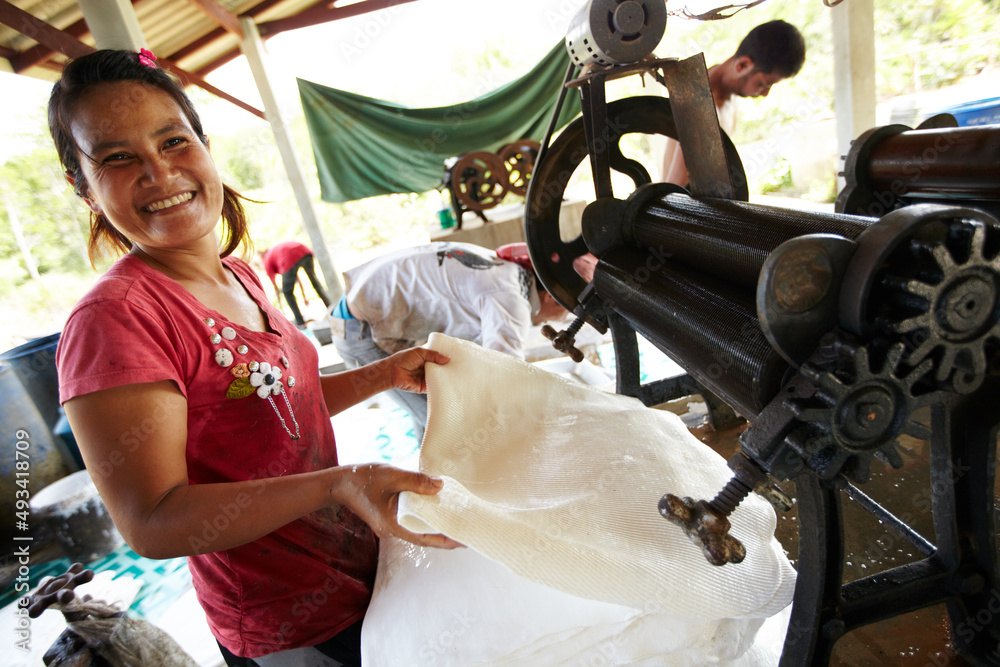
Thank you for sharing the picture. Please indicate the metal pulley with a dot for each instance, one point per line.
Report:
(479, 180)
(519, 158)
(609, 32)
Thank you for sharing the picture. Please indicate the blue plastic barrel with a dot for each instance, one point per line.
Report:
(30, 458)
(35, 365)
(979, 112)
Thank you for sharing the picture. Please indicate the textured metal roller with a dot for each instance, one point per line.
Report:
(705, 324)
(730, 239)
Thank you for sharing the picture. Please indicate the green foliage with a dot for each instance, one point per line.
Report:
(41, 306)
(799, 100)
(51, 218)
(249, 161)
(493, 59)
(927, 44)
(53, 223)
(920, 45)
(777, 179)
(369, 223)
(245, 159)
(823, 190)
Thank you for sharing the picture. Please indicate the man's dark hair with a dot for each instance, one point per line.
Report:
(775, 45)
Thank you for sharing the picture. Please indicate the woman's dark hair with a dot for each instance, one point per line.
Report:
(111, 66)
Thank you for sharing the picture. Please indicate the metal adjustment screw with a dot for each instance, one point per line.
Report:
(706, 523)
(564, 341)
(59, 591)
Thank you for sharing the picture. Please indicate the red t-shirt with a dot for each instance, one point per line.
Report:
(306, 581)
(283, 256)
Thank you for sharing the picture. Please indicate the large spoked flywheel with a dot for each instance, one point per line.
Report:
(551, 254)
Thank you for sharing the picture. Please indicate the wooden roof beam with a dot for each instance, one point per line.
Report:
(39, 53)
(307, 17)
(323, 13)
(52, 37)
(35, 28)
(220, 15)
(210, 37)
(317, 15)
(218, 62)
(190, 48)
(191, 78)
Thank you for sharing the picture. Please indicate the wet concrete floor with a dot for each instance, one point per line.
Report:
(917, 639)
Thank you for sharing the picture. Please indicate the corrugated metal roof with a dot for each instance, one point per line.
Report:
(179, 30)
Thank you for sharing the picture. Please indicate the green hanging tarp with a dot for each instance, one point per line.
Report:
(365, 147)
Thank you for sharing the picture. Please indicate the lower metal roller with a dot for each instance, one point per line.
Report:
(706, 325)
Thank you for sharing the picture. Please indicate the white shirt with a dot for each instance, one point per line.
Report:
(459, 289)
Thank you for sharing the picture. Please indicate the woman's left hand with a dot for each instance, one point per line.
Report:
(372, 492)
(406, 368)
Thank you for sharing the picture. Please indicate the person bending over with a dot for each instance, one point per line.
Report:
(286, 259)
(458, 289)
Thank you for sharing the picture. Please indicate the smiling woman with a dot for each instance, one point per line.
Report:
(160, 367)
(109, 127)
(146, 168)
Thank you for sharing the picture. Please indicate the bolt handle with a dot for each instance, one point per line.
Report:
(706, 526)
(565, 341)
(706, 523)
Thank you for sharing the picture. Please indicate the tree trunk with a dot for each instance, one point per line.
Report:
(22, 244)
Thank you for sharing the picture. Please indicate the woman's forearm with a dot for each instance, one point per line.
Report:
(201, 518)
(348, 388)
(211, 517)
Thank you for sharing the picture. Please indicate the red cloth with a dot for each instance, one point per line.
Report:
(299, 585)
(517, 253)
(283, 256)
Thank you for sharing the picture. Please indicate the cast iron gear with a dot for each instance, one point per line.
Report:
(858, 412)
(960, 298)
(519, 158)
(479, 180)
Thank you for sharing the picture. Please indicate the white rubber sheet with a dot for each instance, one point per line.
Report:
(437, 608)
(556, 484)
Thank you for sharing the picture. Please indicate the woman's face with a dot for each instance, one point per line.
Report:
(145, 168)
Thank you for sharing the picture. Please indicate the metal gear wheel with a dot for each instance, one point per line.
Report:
(519, 157)
(961, 303)
(479, 180)
(858, 412)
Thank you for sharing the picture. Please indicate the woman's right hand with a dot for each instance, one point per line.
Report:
(404, 370)
(372, 491)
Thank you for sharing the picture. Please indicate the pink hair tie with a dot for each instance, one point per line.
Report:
(147, 58)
